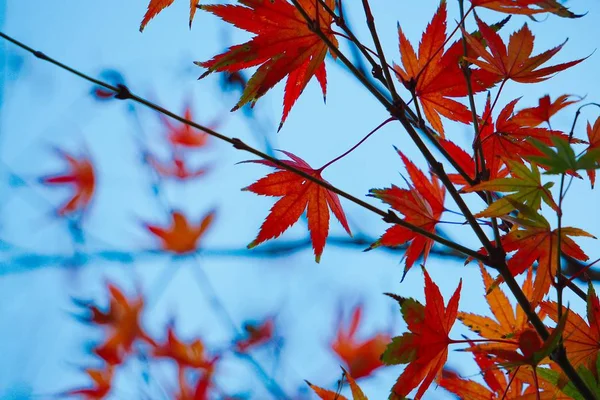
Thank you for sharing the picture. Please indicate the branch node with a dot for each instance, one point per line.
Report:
(239, 144)
(391, 217)
(123, 93)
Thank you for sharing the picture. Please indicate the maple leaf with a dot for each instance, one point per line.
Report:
(181, 237)
(506, 139)
(425, 347)
(581, 338)
(435, 76)
(360, 357)
(121, 322)
(180, 134)
(81, 176)
(175, 168)
(564, 160)
(190, 354)
(422, 206)
(534, 116)
(297, 194)
(526, 7)
(508, 324)
(324, 394)
(537, 242)
(256, 335)
(102, 381)
(514, 63)
(284, 45)
(156, 6)
(527, 185)
(593, 134)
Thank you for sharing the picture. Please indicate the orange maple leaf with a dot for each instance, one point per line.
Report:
(526, 7)
(102, 381)
(190, 354)
(425, 347)
(181, 237)
(581, 338)
(360, 357)
(422, 205)
(81, 176)
(507, 324)
(156, 6)
(180, 134)
(175, 168)
(515, 62)
(534, 116)
(593, 134)
(284, 45)
(298, 194)
(324, 394)
(257, 334)
(517, 385)
(435, 76)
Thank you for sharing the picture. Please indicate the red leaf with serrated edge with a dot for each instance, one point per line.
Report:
(181, 237)
(534, 116)
(435, 75)
(284, 45)
(514, 62)
(298, 194)
(361, 357)
(526, 7)
(81, 176)
(422, 205)
(156, 6)
(507, 139)
(540, 244)
(324, 394)
(593, 134)
(425, 347)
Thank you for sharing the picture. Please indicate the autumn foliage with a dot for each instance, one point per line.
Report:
(506, 188)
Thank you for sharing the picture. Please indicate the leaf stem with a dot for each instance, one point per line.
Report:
(357, 144)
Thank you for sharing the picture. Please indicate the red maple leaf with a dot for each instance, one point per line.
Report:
(422, 206)
(507, 138)
(181, 237)
(361, 357)
(435, 76)
(526, 7)
(537, 242)
(81, 176)
(534, 116)
(515, 62)
(257, 334)
(284, 45)
(297, 194)
(425, 347)
(121, 322)
(190, 354)
(324, 394)
(102, 381)
(200, 390)
(593, 134)
(176, 168)
(156, 6)
(183, 135)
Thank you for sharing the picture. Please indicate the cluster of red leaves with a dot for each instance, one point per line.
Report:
(125, 337)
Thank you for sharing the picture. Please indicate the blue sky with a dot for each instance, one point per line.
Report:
(42, 107)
